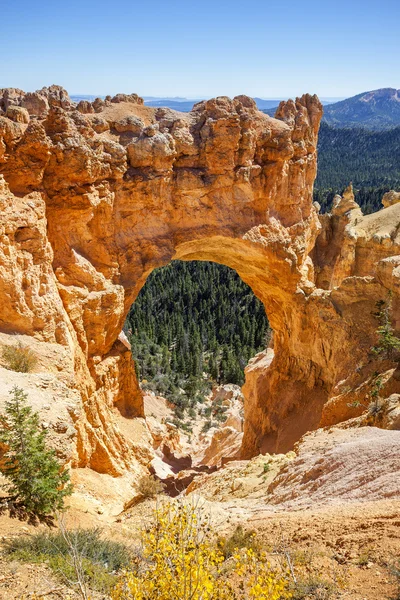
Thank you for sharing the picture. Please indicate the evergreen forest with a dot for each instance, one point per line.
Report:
(192, 325)
(368, 159)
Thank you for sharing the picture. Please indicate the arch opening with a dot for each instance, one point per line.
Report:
(194, 326)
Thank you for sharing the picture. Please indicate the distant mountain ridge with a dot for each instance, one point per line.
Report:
(376, 110)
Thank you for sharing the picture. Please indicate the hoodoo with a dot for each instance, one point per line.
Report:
(95, 196)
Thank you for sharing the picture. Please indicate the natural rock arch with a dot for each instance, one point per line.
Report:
(106, 192)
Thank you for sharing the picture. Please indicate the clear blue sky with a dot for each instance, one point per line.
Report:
(201, 48)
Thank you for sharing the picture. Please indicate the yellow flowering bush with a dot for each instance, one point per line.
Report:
(179, 561)
(256, 578)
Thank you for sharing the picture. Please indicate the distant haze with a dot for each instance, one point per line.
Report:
(183, 104)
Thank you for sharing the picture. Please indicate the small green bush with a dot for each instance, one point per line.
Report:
(207, 425)
(238, 540)
(220, 416)
(388, 342)
(19, 358)
(101, 558)
(207, 411)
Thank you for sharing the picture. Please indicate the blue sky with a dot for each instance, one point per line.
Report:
(201, 48)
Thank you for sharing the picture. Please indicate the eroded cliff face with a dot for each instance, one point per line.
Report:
(98, 195)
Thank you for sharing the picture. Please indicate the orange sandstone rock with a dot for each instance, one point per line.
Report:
(99, 195)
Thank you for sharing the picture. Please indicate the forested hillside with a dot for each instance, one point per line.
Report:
(193, 324)
(370, 159)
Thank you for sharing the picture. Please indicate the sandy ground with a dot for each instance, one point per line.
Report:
(351, 546)
(333, 508)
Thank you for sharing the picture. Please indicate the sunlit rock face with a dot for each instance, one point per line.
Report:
(98, 195)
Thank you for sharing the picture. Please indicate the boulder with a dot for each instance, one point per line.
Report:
(129, 124)
(17, 114)
(390, 198)
(36, 104)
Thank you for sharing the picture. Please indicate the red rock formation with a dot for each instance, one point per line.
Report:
(127, 188)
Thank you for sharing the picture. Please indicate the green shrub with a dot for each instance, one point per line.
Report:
(376, 401)
(220, 416)
(207, 425)
(388, 342)
(238, 540)
(180, 424)
(207, 411)
(365, 557)
(101, 559)
(373, 401)
(19, 358)
(38, 484)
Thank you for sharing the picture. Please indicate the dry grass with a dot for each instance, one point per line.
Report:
(149, 487)
(19, 358)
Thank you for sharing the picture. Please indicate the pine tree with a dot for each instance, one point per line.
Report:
(388, 342)
(213, 368)
(38, 484)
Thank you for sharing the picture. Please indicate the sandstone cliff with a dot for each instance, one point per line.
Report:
(95, 196)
